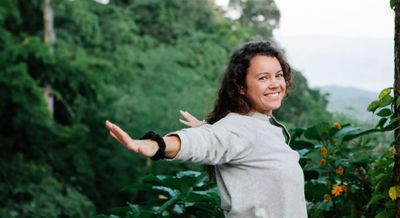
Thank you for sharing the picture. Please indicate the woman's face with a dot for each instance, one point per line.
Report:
(265, 84)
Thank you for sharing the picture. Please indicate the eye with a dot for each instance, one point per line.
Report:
(279, 75)
(263, 78)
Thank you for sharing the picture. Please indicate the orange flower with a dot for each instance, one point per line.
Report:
(338, 190)
(327, 197)
(322, 162)
(324, 151)
(340, 171)
(337, 125)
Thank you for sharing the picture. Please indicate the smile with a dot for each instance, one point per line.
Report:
(274, 94)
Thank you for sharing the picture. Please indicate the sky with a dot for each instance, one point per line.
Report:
(338, 42)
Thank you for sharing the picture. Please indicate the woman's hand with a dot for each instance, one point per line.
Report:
(190, 121)
(146, 148)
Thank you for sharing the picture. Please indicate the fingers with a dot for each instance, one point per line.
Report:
(188, 116)
(108, 125)
(120, 135)
(138, 146)
(115, 137)
(186, 122)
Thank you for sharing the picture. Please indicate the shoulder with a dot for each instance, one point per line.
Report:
(235, 122)
(233, 118)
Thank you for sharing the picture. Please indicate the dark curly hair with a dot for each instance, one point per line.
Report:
(229, 98)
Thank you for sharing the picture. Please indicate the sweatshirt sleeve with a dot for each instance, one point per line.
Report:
(219, 143)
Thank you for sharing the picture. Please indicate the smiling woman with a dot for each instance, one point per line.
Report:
(257, 173)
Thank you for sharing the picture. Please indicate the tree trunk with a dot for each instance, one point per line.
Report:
(49, 39)
(396, 89)
(48, 20)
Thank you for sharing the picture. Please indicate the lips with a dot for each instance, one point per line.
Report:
(273, 94)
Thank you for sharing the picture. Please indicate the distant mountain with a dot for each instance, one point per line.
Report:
(326, 60)
(349, 100)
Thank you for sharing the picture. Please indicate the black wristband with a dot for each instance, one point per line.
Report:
(160, 154)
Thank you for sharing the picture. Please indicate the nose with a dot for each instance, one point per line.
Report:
(273, 84)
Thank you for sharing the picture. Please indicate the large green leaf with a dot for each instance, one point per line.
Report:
(318, 132)
(385, 112)
(384, 93)
(373, 106)
(348, 130)
(385, 101)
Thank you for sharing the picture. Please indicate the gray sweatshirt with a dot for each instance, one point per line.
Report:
(257, 173)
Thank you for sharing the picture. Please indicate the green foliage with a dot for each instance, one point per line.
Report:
(261, 17)
(185, 195)
(30, 190)
(347, 175)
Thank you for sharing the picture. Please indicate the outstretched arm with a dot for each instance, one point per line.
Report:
(147, 148)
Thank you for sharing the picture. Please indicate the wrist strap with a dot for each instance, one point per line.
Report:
(160, 154)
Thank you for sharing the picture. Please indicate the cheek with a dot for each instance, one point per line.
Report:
(284, 85)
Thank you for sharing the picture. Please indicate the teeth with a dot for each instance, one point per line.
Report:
(273, 94)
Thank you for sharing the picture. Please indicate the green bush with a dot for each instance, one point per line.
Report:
(347, 173)
(187, 194)
(34, 191)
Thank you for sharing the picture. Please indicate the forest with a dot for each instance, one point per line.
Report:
(66, 66)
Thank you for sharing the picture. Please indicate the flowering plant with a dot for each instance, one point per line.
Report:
(346, 169)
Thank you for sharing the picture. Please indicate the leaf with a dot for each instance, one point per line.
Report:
(353, 136)
(348, 130)
(310, 174)
(392, 4)
(373, 106)
(139, 187)
(384, 93)
(385, 112)
(375, 199)
(168, 203)
(380, 176)
(318, 132)
(168, 190)
(297, 132)
(382, 214)
(398, 102)
(382, 122)
(385, 101)
(314, 155)
(393, 120)
(298, 145)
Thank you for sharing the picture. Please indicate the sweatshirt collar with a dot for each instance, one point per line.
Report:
(271, 119)
(260, 116)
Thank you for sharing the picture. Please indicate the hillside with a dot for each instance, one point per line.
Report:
(349, 100)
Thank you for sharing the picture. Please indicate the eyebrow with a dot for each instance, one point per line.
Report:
(269, 72)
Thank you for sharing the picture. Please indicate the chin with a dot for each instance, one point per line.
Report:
(274, 106)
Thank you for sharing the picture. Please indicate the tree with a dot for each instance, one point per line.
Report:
(259, 16)
(396, 169)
